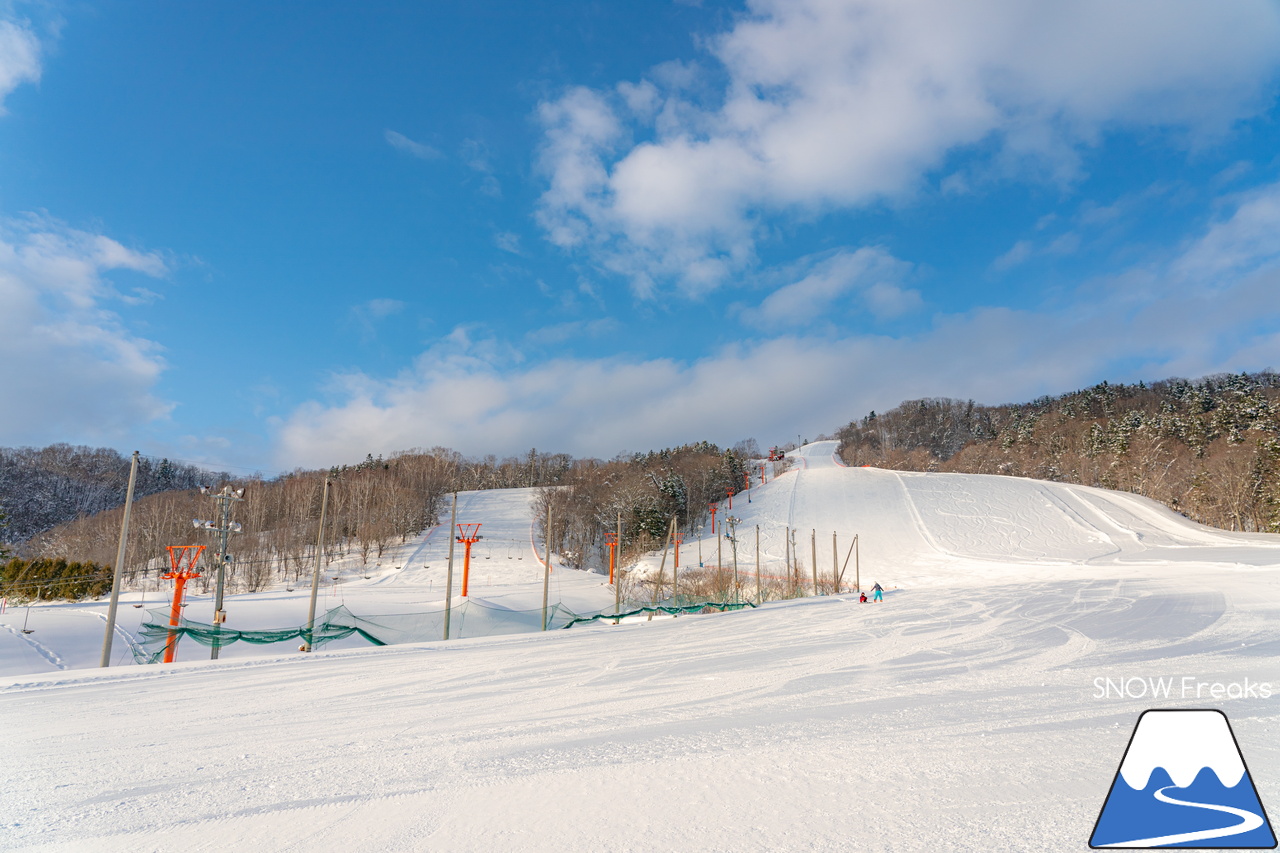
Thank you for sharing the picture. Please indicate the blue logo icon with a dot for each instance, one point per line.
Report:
(1183, 783)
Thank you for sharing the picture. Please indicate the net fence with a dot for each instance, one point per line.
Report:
(468, 619)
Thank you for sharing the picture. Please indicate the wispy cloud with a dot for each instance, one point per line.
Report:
(19, 58)
(400, 142)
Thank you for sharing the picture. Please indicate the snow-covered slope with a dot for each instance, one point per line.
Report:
(969, 711)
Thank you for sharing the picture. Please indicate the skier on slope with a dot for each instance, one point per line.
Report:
(877, 593)
(862, 599)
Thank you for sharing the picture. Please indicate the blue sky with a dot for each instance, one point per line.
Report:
(270, 235)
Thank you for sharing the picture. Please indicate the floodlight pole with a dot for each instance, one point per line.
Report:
(315, 579)
(120, 551)
(224, 499)
(448, 583)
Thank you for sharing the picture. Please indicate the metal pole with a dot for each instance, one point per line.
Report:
(448, 582)
(719, 558)
(120, 550)
(224, 501)
(813, 549)
(733, 532)
(757, 564)
(786, 559)
(662, 567)
(546, 570)
(617, 582)
(675, 567)
(835, 565)
(315, 578)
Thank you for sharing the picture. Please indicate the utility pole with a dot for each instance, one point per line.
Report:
(225, 526)
(120, 551)
(315, 578)
(546, 570)
(733, 540)
(448, 583)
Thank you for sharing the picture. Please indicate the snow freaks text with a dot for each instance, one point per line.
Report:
(1174, 687)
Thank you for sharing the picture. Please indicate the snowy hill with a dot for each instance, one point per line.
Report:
(966, 712)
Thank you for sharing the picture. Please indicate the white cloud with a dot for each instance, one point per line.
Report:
(832, 105)
(1017, 253)
(472, 393)
(73, 370)
(870, 273)
(400, 142)
(507, 242)
(19, 58)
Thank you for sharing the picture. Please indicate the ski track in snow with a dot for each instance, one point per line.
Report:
(960, 714)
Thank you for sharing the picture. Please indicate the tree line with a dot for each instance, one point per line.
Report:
(41, 488)
(1209, 448)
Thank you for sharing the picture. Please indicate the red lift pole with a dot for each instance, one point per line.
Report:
(611, 539)
(714, 509)
(762, 473)
(731, 499)
(746, 478)
(179, 574)
(469, 534)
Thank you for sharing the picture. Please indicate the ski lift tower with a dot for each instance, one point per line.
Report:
(183, 569)
(468, 535)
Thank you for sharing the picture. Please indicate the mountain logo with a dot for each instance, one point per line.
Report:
(1183, 783)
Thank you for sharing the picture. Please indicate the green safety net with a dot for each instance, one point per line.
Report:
(670, 609)
(468, 619)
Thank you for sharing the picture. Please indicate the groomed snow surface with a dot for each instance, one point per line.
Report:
(963, 713)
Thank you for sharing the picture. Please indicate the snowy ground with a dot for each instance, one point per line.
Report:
(964, 713)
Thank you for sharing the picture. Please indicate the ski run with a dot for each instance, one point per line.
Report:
(985, 705)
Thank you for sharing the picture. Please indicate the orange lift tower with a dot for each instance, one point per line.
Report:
(179, 575)
(468, 535)
(714, 509)
(611, 539)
